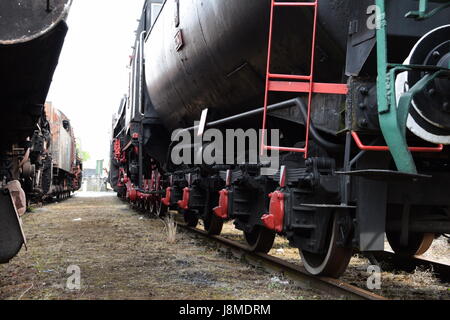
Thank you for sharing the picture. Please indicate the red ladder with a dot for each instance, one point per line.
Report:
(301, 83)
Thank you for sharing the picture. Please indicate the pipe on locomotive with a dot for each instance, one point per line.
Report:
(298, 102)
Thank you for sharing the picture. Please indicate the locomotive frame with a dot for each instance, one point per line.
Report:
(348, 191)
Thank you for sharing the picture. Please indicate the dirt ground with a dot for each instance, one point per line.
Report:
(124, 255)
(395, 284)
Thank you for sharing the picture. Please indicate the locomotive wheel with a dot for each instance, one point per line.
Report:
(161, 209)
(260, 239)
(190, 218)
(151, 206)
(418, 243)
(146, 206)
(332, 263)
(213, 224)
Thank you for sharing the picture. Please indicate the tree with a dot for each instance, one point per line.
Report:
(84, 155)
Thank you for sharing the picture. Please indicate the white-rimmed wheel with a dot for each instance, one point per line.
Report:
(151, 204)
(429, 116)
(190, 218)
(414, 243)
(418, 243)
(260, 239)
(334, 261)
(213, 224)
(161, 208)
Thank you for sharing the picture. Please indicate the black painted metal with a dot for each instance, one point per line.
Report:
(221, 65)
(24, 20)
(403, 33)
(293, 103)
(31, 40)
(11, 236)
(212, 54)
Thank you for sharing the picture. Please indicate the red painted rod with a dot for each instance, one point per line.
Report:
(327, 88)
(288, 76)
(362, 146)
(299, 150)
(294, 4)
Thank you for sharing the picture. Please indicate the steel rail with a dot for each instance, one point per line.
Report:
(298, 274)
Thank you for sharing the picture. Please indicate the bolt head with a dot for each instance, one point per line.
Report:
(363, 123)
(364, 91)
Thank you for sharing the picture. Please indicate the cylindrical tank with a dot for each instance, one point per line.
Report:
(212, 54)
(32, 34)
(220, 62)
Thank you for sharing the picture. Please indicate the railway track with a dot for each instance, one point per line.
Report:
(334, 287)
(409, 264)
(298, 274)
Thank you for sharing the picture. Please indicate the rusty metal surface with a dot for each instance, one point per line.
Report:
(25, 20)
(62, 147)
(330, 286)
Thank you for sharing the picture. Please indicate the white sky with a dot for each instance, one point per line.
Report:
(92, 74)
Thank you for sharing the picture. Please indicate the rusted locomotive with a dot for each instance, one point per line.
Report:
(51, 167)
(358, 91)
(62, 167)
(32, 34)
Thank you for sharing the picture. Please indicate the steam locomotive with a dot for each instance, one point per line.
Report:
(37, 149)
(357, 91)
